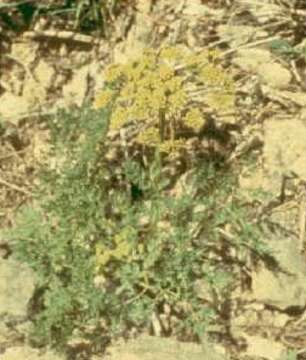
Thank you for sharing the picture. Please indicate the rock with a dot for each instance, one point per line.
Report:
(274, 75)
(259, 347)
(41, 147)
(12, 107)
(155, 348)
(44, 74)
(280, 320)
(286, 287)
(17, 284)
(251, 59)
(139, 37)
(237, 35)
(74, 92)
(248, 318)
(197, 9)
(285, 148)
(298, 98)
(27, 353)
(260, 62)
(263, 11)
(287, 253)
(203, 290)
(81, 58)
(34, 93)
(269, 289)
(251, 319)
(284, 154)
(251, 182)
(25, 52)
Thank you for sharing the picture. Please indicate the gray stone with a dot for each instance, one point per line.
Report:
(238, 35)
(286, 287)
(17, 284)
(251, 59)
(285, 147)
(12, 107)
(258, 347)
(155, 348)
(27, 353)
(275, 75)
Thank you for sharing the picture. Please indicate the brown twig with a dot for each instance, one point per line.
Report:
(15, 187)
(249, 45)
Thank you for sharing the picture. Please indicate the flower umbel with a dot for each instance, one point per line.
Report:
(165, 81)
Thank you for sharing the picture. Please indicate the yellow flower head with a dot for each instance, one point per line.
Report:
(165, 72)
(141, 112)
(178, 100)
(113, 73)
(149, 136)
(211, 75)
(158, 99)
(148, 60)
(128, 91)
(171, 54)
(103, 99)
(194, 119)
(174, 84)
(119, 118)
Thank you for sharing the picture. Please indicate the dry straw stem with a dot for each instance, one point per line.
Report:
(15, 187)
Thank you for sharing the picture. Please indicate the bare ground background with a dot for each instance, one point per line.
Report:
(49, 65)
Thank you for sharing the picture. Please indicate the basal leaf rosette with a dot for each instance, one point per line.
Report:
(169, 89)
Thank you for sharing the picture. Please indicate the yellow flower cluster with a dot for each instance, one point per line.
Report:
(174, 84)
(113, 73)
(149, 136)
(165, 72)
(194, 119)
(122, 251)
(103, 99)
(171, 146)
(158, 98)
(171, 54)
(127, 91)
(118, 118)
(160, 82)
(213, 76)
(177, 100)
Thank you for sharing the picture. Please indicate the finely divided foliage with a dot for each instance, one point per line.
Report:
(106, 262)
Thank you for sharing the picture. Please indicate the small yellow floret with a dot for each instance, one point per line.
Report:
(149, 136)
(171, 146)
(194, 119)
(103, 99)
(119, 118)
(171, 53)
(178, 100)
(165, 72)
(112, 73)
(212, 76)
(174, 84)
